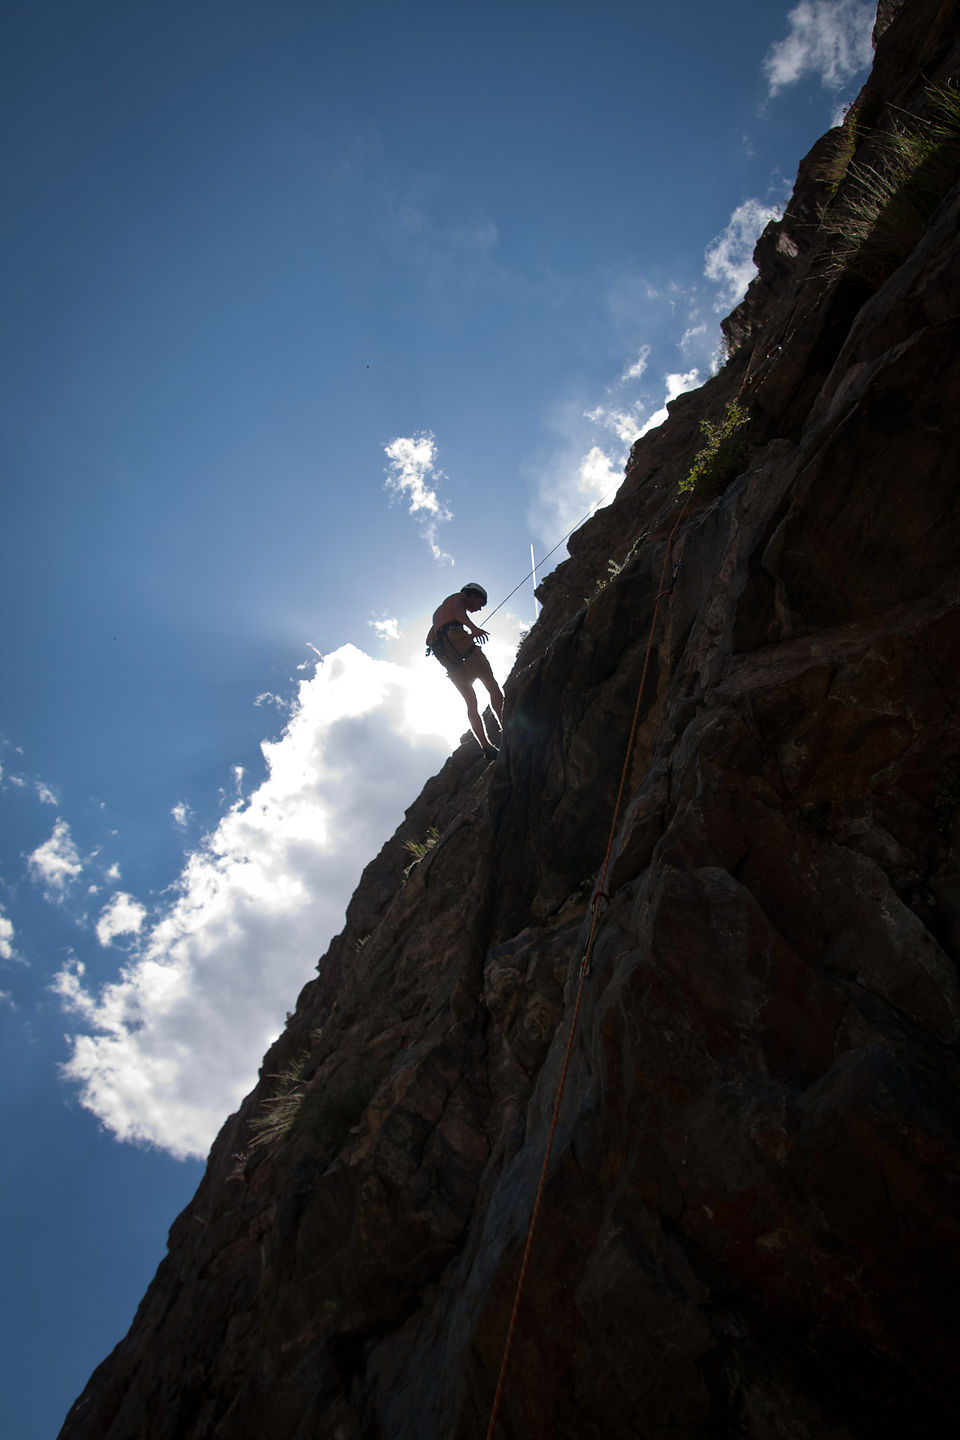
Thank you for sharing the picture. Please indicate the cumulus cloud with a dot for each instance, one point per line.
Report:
(729, 258)
(6, 937)
(675, 384)
(56, 863)
(122, 916)
(828, 39)
(166, 1049)
(44, 794)
(413, 465)
(386, 628)
(598, 474)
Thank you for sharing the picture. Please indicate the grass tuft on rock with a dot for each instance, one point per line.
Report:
(278, 1112)
(886, 203)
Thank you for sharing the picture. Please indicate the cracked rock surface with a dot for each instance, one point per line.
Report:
(751, 1221)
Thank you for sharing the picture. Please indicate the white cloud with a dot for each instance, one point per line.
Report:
(599, 474)
(634, 371)
(267, 697)
(412, 463)
(676, 384)
(56, 863)
(6, 938)
(828, 39)
(122, 916)
(165, 1050)
(624, 422)
(114, 872)
(680, 384)
(692, 334)
(682, 346)
(182, 814)
(729, 257)
(386, 628)
(568, 485)
(44, 794)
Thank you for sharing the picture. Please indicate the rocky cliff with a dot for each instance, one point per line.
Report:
(749, 1224)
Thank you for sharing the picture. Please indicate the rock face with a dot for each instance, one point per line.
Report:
(750, 1225)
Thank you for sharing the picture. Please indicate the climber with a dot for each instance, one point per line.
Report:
(456, 641)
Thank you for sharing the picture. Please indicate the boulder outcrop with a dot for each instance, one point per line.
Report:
(750, 1224)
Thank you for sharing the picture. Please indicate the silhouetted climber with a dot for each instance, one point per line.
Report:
(456, 641)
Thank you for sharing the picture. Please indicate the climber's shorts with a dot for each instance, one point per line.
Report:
(475, 666)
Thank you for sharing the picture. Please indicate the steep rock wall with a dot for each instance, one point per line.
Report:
(750, 1221)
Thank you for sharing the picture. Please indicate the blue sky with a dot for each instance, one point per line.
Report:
(311, 312)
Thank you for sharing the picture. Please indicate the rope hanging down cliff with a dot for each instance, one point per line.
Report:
(599, 899)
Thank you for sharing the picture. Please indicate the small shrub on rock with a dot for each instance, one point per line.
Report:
(724, 453)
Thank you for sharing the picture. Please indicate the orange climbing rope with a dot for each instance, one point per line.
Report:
(598, 900)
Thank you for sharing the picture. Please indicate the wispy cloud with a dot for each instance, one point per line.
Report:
(56, 863)
(729, 257)
(418, 214)
(639, 366)
(584, 471)
(679, 321)
(692, 335)
(163, 1052)
(413, 475)
(828, 40)
(575, 475)
(625, 422)
(182, 814)
(122, 916)
(267, 697)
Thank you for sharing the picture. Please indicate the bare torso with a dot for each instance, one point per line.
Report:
(453, 610)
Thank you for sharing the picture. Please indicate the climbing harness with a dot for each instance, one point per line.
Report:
(599, 900)
(443, 649)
